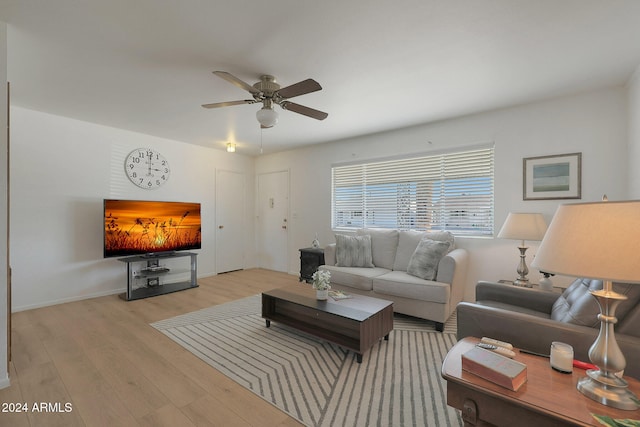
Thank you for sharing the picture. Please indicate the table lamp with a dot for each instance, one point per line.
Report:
(598, 241)
(523, 226)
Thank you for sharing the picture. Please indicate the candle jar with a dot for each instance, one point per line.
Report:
(562, 357)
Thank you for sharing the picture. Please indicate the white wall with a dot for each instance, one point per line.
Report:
(593, 123)
(61, 170)
(634, 136)
(4, 255)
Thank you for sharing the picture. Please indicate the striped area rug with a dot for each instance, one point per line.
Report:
(398, 382)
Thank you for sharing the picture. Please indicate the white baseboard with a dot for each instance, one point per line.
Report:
(5, 382)
(64, 300)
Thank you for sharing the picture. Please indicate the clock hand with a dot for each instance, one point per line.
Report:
(149, 155)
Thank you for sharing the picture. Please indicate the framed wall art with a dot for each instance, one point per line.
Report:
(552, 177)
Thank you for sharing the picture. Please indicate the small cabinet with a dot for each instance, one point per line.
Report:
(158, 274)
(310, 260)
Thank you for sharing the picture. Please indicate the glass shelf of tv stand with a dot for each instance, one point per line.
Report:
(147, 276)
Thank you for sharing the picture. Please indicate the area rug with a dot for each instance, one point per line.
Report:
(398, 382)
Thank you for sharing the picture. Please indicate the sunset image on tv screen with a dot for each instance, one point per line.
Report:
(138, 227)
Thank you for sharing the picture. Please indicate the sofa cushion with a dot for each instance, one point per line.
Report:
(354, 277)
(384, 244)
(512, 307)
(576, 304)
(425, 259)
(408, 242)
(402, 284)
(353, 251)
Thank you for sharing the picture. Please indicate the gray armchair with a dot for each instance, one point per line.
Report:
(531, 319)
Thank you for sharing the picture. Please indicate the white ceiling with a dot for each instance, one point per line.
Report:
(145, 65)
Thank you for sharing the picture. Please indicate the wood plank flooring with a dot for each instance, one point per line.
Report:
(101, 359)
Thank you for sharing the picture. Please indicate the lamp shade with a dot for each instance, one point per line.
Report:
(267, 117)
(593, 240)
(523, 226)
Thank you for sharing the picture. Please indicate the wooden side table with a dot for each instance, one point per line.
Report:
(310, 260)
(548, 398)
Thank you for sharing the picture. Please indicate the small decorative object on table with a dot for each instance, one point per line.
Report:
(608, 421)
(322, 283)
(495, 368)
(315, 243)
(338, 295)
(545, 283)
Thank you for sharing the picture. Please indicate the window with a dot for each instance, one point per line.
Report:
(451, 191)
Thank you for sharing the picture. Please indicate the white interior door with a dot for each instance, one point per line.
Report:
(230, 217)
(273, 220)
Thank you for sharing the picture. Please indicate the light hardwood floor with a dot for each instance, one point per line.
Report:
(102, 357)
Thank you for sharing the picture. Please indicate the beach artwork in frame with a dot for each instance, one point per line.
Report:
(552, 177)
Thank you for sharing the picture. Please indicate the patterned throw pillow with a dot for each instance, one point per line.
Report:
(424, 261)
(353, 251)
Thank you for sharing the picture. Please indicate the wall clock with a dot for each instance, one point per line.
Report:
(147, 168)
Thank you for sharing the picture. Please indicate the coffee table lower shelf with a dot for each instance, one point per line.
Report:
(352, 328)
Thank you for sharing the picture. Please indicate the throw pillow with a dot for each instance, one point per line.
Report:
(425, 259)
(408, 242)
(353, 251)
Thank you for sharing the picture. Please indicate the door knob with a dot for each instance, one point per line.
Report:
(221, 227)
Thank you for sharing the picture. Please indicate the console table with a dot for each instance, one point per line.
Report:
(151, 275)
(548, 398)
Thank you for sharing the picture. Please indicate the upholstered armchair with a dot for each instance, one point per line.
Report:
(531, 319)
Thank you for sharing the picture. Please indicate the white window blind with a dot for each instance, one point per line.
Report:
(452, 191)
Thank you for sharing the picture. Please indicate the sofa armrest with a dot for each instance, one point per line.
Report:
(532, 299)
(452, 269)
(536, 333)
(330, 254)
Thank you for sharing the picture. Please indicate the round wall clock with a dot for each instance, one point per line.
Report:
(147, 168)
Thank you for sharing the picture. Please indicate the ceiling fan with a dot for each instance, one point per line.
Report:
(268, 91)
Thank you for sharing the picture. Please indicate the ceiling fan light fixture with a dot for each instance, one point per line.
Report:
(231, 147)
(267, 116)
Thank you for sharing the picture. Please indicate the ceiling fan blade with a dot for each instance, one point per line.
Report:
(300, 88)
(229, 103)
(301, 109)
(236, 81)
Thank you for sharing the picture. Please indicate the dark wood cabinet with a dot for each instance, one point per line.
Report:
(310, 260)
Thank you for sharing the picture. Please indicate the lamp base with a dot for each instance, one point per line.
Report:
(522, 270)
(524, 282)
(608, 391)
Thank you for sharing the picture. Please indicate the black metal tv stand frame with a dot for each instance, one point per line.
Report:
(146, 277)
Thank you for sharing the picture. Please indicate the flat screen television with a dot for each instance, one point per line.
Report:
(139, 227)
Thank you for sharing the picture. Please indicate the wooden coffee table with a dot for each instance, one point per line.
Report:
(355, 323)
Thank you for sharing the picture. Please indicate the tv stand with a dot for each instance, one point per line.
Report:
(148, 277)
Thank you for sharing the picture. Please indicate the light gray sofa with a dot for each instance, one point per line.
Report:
(391, 252)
